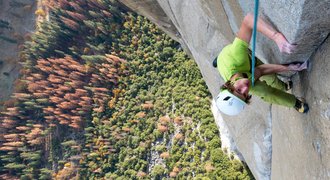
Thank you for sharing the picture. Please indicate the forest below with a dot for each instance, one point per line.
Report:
(104, 94)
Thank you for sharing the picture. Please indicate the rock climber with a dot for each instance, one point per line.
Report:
(234, 65)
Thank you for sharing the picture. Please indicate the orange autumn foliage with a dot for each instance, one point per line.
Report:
(165, 155)
(141, 114)
(173, 174)
(162, 128)
(178, 120)
(147, 105)
(14, 144)
(176, 169)
(126, 129)
(11, 137)
(178, 136)
(141, 174)
(208, 167)
(164, 120)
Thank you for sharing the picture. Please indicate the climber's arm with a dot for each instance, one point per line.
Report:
(266, 69)
(245, 33)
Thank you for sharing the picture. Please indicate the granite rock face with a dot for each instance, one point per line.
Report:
(276, 142)
(301, 142)
(17, 20)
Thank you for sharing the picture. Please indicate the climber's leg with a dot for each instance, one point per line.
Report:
(273, 81)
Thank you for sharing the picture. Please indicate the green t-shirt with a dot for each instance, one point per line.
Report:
(234, 58)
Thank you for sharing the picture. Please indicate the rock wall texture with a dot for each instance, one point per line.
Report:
(20, 17)
(276, 142)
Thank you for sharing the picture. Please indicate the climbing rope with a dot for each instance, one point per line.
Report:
(254, 35)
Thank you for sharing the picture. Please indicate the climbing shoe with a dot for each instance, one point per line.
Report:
(301, 106)
(215, 64)
(288, 85)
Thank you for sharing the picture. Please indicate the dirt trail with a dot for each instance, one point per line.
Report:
(17, 19)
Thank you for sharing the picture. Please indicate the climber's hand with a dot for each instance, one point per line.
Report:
(297, 66)
(283, 44)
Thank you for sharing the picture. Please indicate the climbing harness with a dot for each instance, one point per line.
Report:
(254, 35)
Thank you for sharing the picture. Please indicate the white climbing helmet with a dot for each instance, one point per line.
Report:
(229, 103)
